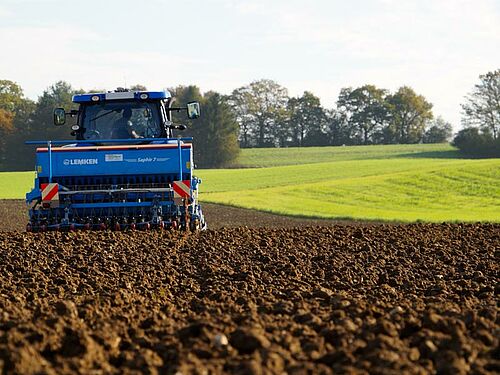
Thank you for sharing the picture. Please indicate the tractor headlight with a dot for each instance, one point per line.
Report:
(143, 96)
(95, 98)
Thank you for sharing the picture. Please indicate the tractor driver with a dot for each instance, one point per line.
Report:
(123, 127)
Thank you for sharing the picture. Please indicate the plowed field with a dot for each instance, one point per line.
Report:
(339, 299)
(14, 215)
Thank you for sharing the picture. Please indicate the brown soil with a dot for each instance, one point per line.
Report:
(338, 299)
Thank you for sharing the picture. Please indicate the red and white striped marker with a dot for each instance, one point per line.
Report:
(50, 192)
(182, 189)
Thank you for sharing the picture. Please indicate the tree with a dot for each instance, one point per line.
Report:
(240, 102)
(11, 96)
(307, 120)
(138, 87)
(95, 90)
(218, 134)
(341, 126)
(6, 122)
(472, 141)
(482, 106)
(216, 131)
(260, 110)
(365, 110)
(438, 132)
(181, 96)
(35, 121)
(280, 132)
(59, 94)
(338, 133)
(6, 129)
(15, 113)
(409, 114)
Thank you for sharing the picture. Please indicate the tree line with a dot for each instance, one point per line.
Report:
(365, 115)
(262, 114)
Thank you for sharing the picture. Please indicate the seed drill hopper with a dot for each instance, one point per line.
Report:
(124, 169)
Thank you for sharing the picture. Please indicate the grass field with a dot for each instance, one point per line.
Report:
(271, 157)
(15, 185)
(384, 183)
(390, 183)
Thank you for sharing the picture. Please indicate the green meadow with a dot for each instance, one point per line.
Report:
(271, 157)
(15, 185)
(403, 183)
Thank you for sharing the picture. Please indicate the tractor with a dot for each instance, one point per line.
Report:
(124, 169)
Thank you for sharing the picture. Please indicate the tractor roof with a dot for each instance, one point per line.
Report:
(121, 95)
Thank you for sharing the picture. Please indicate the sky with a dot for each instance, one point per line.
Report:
(437, 47)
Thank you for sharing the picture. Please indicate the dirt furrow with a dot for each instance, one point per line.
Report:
(340, 299)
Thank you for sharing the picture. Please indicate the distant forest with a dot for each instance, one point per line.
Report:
(262, 114)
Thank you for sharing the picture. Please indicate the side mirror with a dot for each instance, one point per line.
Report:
(59, 116)
(193, 110)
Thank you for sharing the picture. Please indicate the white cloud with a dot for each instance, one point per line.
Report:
(5, 12)
(438, 47)
(41, 56)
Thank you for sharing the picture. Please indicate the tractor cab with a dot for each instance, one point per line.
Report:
(124, 114)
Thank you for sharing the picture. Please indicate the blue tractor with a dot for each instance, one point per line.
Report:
(124, 169)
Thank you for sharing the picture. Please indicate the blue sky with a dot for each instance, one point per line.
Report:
(437, 47)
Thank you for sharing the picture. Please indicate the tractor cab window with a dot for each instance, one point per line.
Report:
(121, 120)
